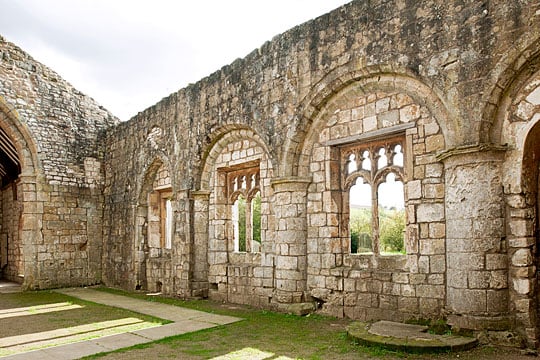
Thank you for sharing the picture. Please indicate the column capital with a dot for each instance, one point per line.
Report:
(290, 183)
(200, 194)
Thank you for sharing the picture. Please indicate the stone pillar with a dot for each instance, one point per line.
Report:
(290, 200)
(182, 246)
(199, 282)
(476, 249)
(521, 243)
(30, 234)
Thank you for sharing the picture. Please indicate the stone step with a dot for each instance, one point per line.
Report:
(407, 338)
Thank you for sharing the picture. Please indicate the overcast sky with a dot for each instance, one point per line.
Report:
(129, 54)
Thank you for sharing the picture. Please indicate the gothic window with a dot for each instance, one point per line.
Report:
(373, 176)
(244, 199)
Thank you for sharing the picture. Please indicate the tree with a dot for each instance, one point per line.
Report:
(391, 228)
(360, 227)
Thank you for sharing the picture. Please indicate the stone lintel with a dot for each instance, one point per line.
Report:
(372, 135)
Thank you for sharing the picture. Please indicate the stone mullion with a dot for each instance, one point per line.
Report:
(249, 226)
(375, 219)
(374, 201)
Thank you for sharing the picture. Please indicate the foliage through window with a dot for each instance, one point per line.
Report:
(373, 176)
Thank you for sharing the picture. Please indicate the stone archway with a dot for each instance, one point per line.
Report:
(11, 256)
(19, 214)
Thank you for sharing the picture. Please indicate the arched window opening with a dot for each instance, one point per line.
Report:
(168, 223)
(244, 200)
(239, 223)
(360, 217)
(376, 197)
(397, 158)
(160, 211)
(391, 215)
(351, 164)
(383, 160)
(256, 222)
(366, 161)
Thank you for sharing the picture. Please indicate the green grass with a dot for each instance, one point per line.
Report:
(313, 337)
(309, 337)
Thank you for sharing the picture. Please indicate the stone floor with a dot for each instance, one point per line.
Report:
(184, 321)
(9, 287)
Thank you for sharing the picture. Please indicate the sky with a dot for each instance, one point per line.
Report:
(129, 54)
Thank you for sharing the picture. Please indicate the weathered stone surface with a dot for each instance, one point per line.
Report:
(91, 197)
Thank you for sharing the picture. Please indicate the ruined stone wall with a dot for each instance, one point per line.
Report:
(520, 115)
(136, 150)
(232, 274)
(439, 72)
(64, 123)
(56, 131)
(11, 212)
(366, 286)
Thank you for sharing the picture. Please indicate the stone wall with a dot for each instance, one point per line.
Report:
(446, 76)
(367, 286)
(55, 224)
(12, 255)
(456, 82)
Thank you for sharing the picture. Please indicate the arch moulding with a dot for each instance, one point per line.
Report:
(361, 83)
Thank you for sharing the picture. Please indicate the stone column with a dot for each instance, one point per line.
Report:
(30, 234)
(290, 200)
(521, 243)
(182, 246)
(476, 249)
(199, 283)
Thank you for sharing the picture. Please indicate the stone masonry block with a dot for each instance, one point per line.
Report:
(427, 212)
(466, 261)
(522, 257)
(466, 301)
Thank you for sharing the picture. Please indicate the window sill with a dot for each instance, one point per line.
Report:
(374, 261)
(249, 258)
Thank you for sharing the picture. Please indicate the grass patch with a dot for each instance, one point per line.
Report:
(310, 337)
(284, 336)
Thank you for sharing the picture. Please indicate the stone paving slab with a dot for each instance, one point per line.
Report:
(407, 338)
(184, 321)
(118, 341)
(7, 287)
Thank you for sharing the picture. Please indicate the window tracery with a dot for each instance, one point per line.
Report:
(244, 199)
(373, 177)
